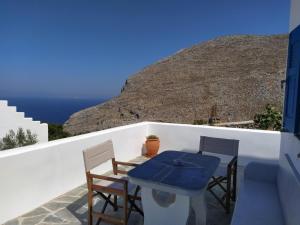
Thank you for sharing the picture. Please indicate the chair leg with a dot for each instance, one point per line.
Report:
(125, 206)
(234, 182)
(132, 203)
(130, 207)
(115, 202)
(217, 198)
(103, 209)
(90, 208)
(217, 181)
(228, 193)
(108, 200)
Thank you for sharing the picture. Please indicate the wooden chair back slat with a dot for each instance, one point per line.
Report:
(98, 154)
(226, 147)
(219, 145)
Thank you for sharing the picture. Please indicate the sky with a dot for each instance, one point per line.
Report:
(88, 48)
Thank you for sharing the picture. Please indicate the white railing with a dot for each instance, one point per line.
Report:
(33, 175)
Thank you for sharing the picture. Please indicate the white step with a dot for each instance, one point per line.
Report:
(22, 114)
(12, 109)
(3, 103)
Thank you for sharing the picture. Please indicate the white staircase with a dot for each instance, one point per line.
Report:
(11, 119)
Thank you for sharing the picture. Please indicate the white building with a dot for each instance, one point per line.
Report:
(11, 119)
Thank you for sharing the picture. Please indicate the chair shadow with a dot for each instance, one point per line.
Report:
(79, 210)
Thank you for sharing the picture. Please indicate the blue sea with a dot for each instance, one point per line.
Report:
(50, 110)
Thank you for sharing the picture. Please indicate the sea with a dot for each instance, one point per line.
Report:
(50, 110)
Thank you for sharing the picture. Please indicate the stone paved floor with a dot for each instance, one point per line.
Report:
(71, 209)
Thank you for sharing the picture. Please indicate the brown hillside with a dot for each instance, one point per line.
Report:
(237, 74)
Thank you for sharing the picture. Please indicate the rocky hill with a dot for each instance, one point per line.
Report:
(234, 76)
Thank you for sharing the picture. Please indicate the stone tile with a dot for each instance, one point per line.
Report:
(32, 220)
(66, 199)
(36, 212)
(66, 215)
(53, 219)
(13, 222)
(75, 223)
(77, 192)
(54, 206)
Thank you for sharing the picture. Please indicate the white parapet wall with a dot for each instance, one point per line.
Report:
(33, 175)
(255, 145)
(10, 119)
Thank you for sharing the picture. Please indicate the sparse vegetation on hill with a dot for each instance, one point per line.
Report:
(55, 131)
(237, 75)
(270, 119)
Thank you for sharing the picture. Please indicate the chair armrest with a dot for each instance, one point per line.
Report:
(107, 189)
(126, 163)
(113, 179)
(117, 170)
(263, 172)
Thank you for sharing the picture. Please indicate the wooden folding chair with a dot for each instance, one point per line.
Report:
(109, 186)
(226, 175)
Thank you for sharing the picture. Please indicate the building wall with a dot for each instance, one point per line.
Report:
(290, 144)
(10, 119)
(289, 173)
(295, 14)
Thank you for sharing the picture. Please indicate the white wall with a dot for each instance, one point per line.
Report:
(295, 14)
(255, 145)
(289, 178)
(10, 119)
(33, 175)
(290, 144)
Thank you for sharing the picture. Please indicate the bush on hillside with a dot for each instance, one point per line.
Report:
(199, 122)
(19, 139)
(55, 131)
(270, 119)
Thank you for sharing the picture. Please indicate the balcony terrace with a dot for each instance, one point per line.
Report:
(45, 183)
(71, 208)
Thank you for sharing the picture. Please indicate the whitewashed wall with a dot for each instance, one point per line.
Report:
(255, 145)
(295, 14)
(290, 144)
(33, 175)
(10, 119)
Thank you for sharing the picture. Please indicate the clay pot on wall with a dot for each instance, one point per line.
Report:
(152, 145)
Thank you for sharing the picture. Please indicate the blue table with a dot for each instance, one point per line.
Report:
(172, 183)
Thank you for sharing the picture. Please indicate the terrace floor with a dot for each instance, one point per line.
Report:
(71, 209)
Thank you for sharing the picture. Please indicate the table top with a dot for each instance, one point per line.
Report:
(178, 170)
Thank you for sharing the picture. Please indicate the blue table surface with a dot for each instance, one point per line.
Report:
(190, 171)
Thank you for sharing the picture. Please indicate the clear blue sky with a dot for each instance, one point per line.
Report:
(87, 49)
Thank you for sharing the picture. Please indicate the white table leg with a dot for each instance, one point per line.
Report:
(154, 214)
(198, 204)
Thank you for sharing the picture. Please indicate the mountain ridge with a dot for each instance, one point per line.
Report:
(234, 75)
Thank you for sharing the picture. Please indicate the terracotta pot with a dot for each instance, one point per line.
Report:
(152, 146)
